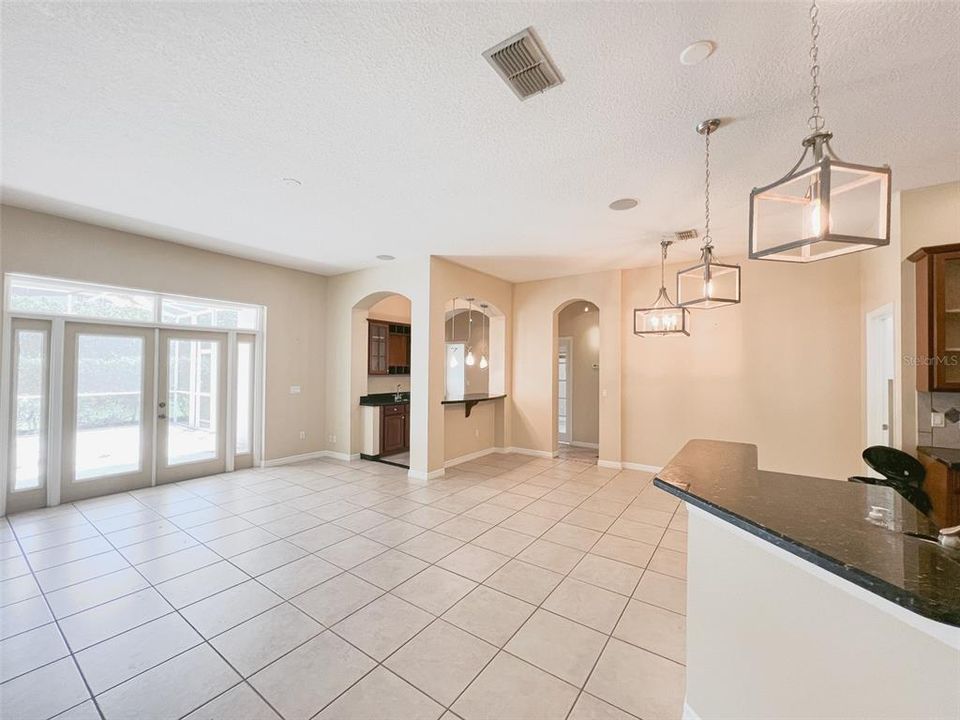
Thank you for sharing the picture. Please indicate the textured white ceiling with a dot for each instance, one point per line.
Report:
(180, 119)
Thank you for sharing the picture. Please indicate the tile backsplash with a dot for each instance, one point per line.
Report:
(949, 435)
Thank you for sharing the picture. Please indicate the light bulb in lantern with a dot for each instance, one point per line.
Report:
(483, 362)
(470, 359)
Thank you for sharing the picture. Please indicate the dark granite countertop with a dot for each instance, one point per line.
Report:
(948, 456)
(471, 398)
(824, 522)
(378, 399)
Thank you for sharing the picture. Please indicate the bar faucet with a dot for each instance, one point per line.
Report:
(398, 396)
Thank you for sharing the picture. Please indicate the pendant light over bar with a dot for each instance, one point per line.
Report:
(826, 208)
(710, 283)
(484, 337)
(470, 360)
(663, 317)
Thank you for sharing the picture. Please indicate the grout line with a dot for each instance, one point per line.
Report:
(382, 480)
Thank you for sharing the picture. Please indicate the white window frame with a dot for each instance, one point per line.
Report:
(55, 373)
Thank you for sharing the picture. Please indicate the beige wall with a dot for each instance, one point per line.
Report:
(584, 330)
(47, 245)
(450, 431)
(535, 331)
(349, 298)
(780, 370)
(464, 436)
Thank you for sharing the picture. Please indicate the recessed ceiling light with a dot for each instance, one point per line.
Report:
(623, 204)
(385, 257)
(697, 52)
(291, 181)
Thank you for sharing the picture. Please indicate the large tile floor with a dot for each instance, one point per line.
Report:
(512, 588)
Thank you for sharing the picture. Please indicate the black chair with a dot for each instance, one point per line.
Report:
(900, 471)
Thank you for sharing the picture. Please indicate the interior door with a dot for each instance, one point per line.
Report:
(191, 409)
(107, 439)
(564, 395)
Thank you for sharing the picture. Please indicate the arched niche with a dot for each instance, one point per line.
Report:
(575, 416)
(475, 334)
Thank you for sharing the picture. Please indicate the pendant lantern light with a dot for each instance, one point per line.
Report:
(453, 331)
(709, 283)
(485, 337)
(826, 208)
(663, 317)
(470, 359)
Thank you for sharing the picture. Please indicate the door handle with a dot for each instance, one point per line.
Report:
(162, 416)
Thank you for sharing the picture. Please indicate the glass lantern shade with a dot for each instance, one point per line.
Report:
(662, 318)
(709, 284)
(828, 209)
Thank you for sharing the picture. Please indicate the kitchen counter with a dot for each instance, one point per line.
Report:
(824, 522)
(805, 597)
(948, 456)
(378, 399)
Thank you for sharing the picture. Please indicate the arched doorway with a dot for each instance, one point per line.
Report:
(380, 378)
(576, 380)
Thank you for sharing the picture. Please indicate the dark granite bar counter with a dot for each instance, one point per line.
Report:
(948, 456)
(378, 399)
(824, 522)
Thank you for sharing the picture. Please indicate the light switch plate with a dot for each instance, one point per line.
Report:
(936, 419)
(294, 389)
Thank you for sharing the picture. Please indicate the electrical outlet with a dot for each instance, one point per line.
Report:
(476, 432)
(332, 438)
(936, 419)
(303, 435)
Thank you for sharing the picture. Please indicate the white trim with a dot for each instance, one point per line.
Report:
(535, 453)
(6, 382)
(577, 443)
(556, 389)
(154, 447)
(947, 634)
(689, 713)
(230, 422)
(612, 464)
(295, 458)
(420, 475)
(471, 456)
(343, 457)
(642, 467)
(54, 390)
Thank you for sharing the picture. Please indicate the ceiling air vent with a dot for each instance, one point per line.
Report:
(523, 64)
(682, 235)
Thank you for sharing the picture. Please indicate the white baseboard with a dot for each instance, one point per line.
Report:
(577, 443)
(346, 457)
(688, 712)
(534, 453)
(612, 464)
(294, 458)
(318, 455)
(420, 475)
(471, 456)
(641, 467)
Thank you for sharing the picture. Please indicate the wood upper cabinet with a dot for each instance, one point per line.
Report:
(388, 348)
(938, 317)
(378, 336)
(394, 429)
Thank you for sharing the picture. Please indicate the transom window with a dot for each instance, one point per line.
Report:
(33, 295)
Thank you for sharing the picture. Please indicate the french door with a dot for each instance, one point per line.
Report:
(192, 405)
(140, 406)
(108, 396)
